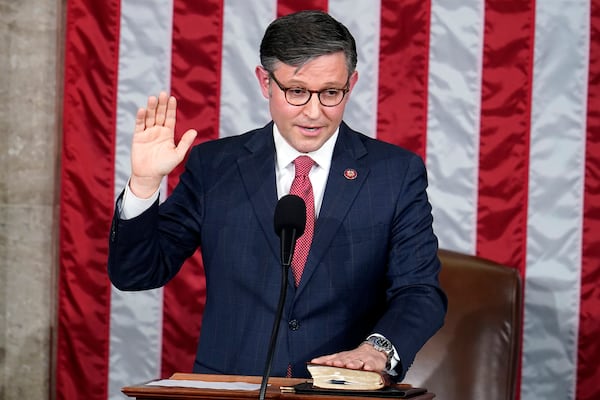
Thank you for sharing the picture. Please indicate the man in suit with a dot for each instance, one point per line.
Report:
(367, 296)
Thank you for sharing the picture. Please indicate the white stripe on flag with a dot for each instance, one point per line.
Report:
(243, 27)
(455, 60)
(144, 69)
(558, 135)
(363, 20)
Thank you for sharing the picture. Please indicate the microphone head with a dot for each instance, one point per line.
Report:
(290, 213)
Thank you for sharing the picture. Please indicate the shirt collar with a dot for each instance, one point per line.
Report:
(286, 154)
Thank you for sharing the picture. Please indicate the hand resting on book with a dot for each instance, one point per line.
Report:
(330, 377)
(364, 357)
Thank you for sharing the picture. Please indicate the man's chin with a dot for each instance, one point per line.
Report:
(308, 146)
(306, 143)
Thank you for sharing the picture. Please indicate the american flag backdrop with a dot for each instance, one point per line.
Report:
(500, 97)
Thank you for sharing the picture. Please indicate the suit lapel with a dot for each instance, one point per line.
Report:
(257, 169)
(340, 192)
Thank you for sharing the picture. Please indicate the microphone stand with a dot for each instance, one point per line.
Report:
(282, 294)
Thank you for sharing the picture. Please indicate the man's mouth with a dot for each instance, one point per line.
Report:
(310, 129)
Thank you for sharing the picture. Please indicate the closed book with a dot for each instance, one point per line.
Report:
(330, 377)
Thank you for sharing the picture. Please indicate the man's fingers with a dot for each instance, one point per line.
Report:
(150, 118)
(360, 358)
(323, 359)
(140, 120)
(186, 142)
(171, 113)
(355, 364)
(161, 110)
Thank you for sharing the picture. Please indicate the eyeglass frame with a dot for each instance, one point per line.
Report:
(344, 90)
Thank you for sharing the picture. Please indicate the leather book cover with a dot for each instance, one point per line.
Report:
(392, 391)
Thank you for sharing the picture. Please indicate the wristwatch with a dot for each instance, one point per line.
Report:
(380, 343)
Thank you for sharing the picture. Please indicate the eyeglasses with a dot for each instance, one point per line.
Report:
(299, 96)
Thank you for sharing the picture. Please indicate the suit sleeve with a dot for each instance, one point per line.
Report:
(416, 305)
(147, 251)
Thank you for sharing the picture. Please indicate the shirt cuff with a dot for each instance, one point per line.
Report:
(132, 206)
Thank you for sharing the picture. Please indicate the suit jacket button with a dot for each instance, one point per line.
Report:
(294, 325)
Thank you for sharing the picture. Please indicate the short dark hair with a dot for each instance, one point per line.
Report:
(297, 38)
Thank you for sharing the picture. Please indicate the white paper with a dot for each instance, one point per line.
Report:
(205, 385)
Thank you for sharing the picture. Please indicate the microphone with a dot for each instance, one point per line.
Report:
(289, 222)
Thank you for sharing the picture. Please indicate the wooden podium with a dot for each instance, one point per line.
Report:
(277, 389)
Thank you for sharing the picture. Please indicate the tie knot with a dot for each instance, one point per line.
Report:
(303, 164)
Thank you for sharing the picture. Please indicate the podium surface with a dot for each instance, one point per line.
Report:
(275, 390)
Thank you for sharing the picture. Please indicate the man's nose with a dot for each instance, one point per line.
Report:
(312, 109)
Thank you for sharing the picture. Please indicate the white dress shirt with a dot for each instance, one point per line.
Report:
(285, 170)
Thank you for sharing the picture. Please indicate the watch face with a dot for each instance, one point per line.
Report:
(384, 343)
(381, 344)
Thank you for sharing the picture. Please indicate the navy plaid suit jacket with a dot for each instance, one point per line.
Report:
(372, 267)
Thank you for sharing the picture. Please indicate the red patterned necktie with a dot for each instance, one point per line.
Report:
(302, 187)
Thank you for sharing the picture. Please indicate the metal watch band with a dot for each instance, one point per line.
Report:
(383, 345)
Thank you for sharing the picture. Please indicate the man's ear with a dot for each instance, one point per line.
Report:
(263, 80)
(352, 81)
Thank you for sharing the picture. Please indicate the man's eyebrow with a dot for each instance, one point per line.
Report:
(325, 85)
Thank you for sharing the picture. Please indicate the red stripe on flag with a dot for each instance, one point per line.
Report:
(86, 199)
(195, 82)
(285, 7)
(403, 73)
(588, 354)
(504, 136)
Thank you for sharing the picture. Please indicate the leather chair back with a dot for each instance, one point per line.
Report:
(476, 353)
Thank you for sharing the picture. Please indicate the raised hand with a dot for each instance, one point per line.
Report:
(153, 151)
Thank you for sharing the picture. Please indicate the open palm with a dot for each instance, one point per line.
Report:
(154, 153)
